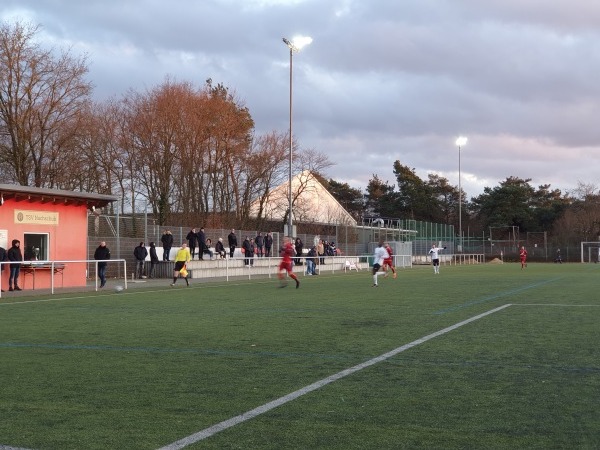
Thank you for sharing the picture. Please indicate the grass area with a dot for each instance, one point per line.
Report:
(145, 368)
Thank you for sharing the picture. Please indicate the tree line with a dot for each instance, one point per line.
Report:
(191, 153)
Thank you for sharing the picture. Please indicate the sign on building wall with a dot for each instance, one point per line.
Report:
(4, 239)
(36, 217)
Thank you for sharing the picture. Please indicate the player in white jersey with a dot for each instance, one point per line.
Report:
(378, 257)
(435, 258)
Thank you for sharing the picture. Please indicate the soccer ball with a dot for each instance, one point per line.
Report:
(118, 288)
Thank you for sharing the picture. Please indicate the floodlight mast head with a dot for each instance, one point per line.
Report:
(461, 141)
(297, 42)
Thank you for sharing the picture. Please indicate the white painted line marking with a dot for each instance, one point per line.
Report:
(207, 432)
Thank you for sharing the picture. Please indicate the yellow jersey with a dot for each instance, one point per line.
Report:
(183, 254)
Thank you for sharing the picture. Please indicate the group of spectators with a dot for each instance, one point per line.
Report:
(259, 246)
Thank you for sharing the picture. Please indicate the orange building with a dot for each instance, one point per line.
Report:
(52, 225)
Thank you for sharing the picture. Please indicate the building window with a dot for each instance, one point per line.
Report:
(35, 247)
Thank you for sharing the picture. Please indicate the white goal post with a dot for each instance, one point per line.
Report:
(590, 251)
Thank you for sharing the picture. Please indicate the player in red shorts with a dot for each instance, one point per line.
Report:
(287, 252)
(523, 256)
(389, 261)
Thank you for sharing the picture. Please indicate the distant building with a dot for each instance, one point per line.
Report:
(52, 225)
(314, 203)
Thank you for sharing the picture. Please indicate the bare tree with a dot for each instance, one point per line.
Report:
(40, 96)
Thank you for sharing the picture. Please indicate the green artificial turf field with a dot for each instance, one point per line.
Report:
(487, 356)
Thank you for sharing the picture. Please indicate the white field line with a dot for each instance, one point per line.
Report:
(210, 431)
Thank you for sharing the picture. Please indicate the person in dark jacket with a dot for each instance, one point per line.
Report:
(232, 241)
(102, 253)
(248, 250)
(3, 258)
(167, 242)
(259, 242)
(153, 259)
(202, 247)
(268, 244)
(140, 254)
(298, 246)
(220, 249)
(192, 239)
(14, 254)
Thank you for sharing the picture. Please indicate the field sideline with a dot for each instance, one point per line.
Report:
(487, 356)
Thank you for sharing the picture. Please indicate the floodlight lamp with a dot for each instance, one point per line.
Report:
(461, 141)
(297, 42)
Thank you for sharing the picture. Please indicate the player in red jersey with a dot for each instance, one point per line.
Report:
(523, 256)
(287, 252)
(389, 261)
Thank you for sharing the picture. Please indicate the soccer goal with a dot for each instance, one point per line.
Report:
(590, 252)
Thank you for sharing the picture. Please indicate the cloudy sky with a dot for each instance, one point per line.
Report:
(383, 80)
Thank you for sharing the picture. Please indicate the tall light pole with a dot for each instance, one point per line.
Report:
(461, 141)
(294, 45)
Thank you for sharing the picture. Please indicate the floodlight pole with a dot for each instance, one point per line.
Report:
(294, 46)
(460, 142)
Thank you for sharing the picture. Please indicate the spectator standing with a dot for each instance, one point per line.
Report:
(321, 251)
(102, 253)
(167, 242)
(140, 253)
(201, 244)
(181, 259)
(14, 254)
(192, 239)
(153, 259)
(246, 249)
(299, 247)
(311, 261)
(232, 241)
(220, 248)
(259, 242)
(268, 244)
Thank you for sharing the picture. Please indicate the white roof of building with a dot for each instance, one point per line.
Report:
(312, 203)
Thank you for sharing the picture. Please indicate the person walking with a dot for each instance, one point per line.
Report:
(182, 258)
(14, 254)
(153, 259)
(435, 257)
(140, 253)
(232, 241)
(378, 258)
(192, 238)
(287, 253)
(268, 244)
(167, 243)
(102, 254)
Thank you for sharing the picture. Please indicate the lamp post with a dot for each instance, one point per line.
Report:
(294, 45)
(461, 141)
